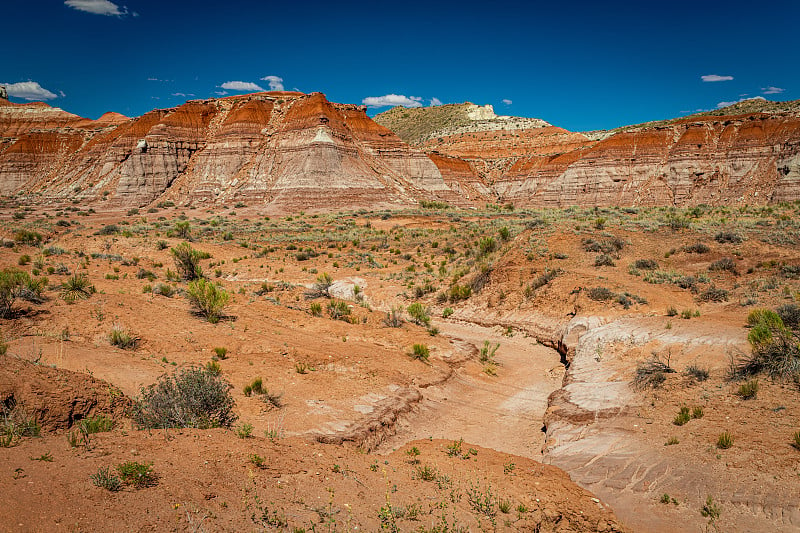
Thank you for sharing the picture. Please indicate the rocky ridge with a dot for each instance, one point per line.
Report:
(289, 150)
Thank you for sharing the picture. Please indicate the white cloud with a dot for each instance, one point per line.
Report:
(726, 104)
(241, 86)
(275, 83)
(772, 90)
(435, 101)
(182, 94)
(221, 93)
(392, 100)
(507, 101)
(98, 7)
(715, 77)
(29, 90)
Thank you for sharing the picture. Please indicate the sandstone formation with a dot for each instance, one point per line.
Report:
(286, 149)
(748, 153)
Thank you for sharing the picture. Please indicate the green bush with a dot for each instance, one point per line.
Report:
(31, 238)
(338, 309)
(208, 298)
(682, 417)
(96, 424)
(394, 318)
(106, 480)
(420, 351)
(76, 287)
(187, 261)
(725, 441)
(192, 397)
(136, 474)
(12, 281)
(419, 314)
(458, 293)
(122, 339)
(749, 390)
(775, 347)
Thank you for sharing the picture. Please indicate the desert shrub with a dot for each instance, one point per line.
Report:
(244, 431)
(394, 318)
(775, 347)
(458, 292)
(505, 233)
(682, 417)
(256, 388)
(32, 290)
(12, 281)
(187, 261)
(76, 287)
(697, 373)
(419, 314)
(315, 309)
(601, 294)
(725, 441)
(487, 352)
(221, 352)
(213, 367)
(139, 475)
(321, 288)
(338, 309)
(611, 245)
(790, 314)
(713, 294)
(728, 237)
(486, 245)
(697, 248)
(420, 351)
(96, 424)
(163, 289)
(182, 230)
(796, 440)
(687, 282)
(543, 279)
(31, 238)
(748, 390)
(651, 373)
(122, 339)
(724, 264)
(191, 397)
(105, 479)
(481, 278)
(23, 260)
(208, 298)
(448, 311)
(110, 229)
(645, 264)
(603, 260)
(148, 274)
(697, 412)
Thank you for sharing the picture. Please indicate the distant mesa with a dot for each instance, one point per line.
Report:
(291, 151)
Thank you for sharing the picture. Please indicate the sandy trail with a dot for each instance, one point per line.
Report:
(502, 412)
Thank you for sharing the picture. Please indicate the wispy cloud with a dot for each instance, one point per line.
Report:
(435, 101)
(183, 95)
(507, 101)
(241, 86)
(29, 90)
(715, 77)
(98, 7)
(772, 90)
(275, 82)
(392, 100)
(159, 79)
(726, 104)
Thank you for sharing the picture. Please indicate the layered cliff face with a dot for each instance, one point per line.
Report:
(748, 153)
(285, 149)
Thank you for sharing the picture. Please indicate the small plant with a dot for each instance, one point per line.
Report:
(208, 298)
(604, 260)
(213, 368)
(413, 453)
(448, 311)
(105, 479)
(315, 309)
(321, 289)
(426, 473)
(671, 311)
(394, 318)
(338, 310)
(487, 352)
(724, 264)
(244, 431)
(682, 417)
(697, 373)
(601, 294)
(504, 506)
(221, 352)
(419, 314)
(192, 397)
(665, 498)
(796, 438)
(256, 460)
(748, 390)
(728, 237)
(710, 510)
(645, 264)
(671, 441)
(187, 261)
(697, 412)
(139, 475)
(420, 351)
(76, 287)
(457, 293)
(725, 441)
(46, 457)
(162, 289)
(122, 339)
(454, 449)
(652, 372)
(96, 424)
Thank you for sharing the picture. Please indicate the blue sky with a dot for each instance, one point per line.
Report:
(577, 64)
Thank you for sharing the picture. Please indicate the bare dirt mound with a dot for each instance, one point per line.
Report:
(56, 398)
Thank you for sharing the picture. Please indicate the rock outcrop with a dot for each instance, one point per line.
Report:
(285, 149)
(746, 154)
